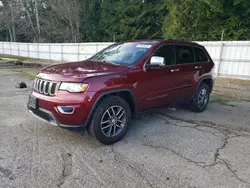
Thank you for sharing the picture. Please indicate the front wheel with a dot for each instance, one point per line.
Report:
(201, 99)
(111, 120)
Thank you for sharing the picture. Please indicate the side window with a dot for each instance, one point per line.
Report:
(167, 52)
(184, 55)
(200, 55)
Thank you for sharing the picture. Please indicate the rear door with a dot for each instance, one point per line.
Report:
(202, 59)
(160, 85)
(190, 69)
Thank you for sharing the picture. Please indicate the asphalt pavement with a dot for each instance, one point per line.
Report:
(165, 148)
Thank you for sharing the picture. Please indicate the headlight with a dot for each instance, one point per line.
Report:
(73, 87)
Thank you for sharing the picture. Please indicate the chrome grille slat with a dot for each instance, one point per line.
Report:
(46, 87)
(36, 84)
(50, 85)
(41, 86)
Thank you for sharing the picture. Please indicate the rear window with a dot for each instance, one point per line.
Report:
(200, 55)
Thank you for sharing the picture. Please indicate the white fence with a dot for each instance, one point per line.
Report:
(232, 59)
(56, 51)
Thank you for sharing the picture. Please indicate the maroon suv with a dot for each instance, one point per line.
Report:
(103, 93)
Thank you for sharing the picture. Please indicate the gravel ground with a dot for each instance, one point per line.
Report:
(165, 148)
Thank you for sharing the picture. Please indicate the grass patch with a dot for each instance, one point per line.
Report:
(246, 100)
(29, 75)
(220, 99)
(15, 57)
(233, 81)
(22, 58)
(238, 81)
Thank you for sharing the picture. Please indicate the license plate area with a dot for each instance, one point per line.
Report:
(33, 102)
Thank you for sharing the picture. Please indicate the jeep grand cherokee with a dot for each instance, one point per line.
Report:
(103, 93)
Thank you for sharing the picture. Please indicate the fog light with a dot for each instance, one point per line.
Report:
(66, 109)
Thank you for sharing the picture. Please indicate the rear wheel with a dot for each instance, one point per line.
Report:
(111, 120)
(201, 99)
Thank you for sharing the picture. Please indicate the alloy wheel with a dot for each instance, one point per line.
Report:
(203, 98)
(113, 121)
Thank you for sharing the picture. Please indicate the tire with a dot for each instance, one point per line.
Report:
(110, 120)
(201, 99)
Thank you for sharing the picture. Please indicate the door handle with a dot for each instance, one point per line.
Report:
(175, 70)
(197, 67)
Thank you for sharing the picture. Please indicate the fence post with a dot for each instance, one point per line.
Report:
(3, 47)
(38, 50)
(28, 46)
(96, 49)
(10, 49)
(78, 45)
(18, 50)
(220, 59)
(49, 51)
(62, 52)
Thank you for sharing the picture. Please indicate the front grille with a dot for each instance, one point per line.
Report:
(46, 87)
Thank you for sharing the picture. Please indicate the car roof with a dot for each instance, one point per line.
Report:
(163, 41)
(180, 42)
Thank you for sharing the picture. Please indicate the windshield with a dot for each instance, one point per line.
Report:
(123, 53)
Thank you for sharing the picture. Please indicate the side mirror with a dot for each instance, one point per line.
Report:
(156, 61)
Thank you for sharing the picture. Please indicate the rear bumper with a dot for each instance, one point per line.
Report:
(48, 117)
(212, 86)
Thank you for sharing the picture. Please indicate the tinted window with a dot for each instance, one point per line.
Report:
(184, 55)
(167, 52)
(123, 53)
(200, 55)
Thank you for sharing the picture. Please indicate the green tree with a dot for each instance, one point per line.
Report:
(101, 20)
(90, 20)
(206, 19)
(132, 19)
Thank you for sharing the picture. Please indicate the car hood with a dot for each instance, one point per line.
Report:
(78, 71)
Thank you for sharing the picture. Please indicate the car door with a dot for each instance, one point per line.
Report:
(190, 70)
(159, 85)
(202, 59)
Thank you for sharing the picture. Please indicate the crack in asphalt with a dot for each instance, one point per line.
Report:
(223, 161)
(198, 163)
(91, 169)
(228, 134)
(233, 171)
(132, 167)
(224, 143)
(67, 168)
(203, 164)
(217, 151)
(7, 173)
(140, 174)
(195, 126)
(220, 128)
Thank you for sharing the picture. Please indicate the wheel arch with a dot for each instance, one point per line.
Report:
(126, 94)
(208, 80)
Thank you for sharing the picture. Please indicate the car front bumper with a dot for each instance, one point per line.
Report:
(48, 109)
(48, 117)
